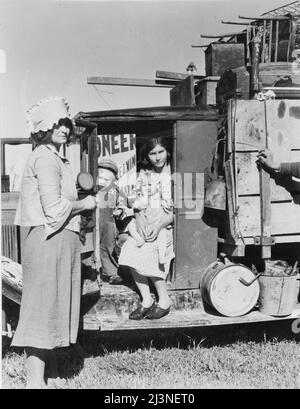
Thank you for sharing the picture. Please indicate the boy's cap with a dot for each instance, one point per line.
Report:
(107, 163)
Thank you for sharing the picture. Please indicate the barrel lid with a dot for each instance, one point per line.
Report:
(229, 295)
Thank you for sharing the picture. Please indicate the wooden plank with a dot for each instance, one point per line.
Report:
(175, 75)
(265, 18)
(238, 23)
(248, 42)
(2, 159)
(230, 199)
(231, 106)
(285, 217)
(200, 45)
(292, 38)
(171, 75)
(265, 213)
(188, 319)
(256, 58)
(265, 202)
(183, 93)
(263, 52)
(130, 82)
(276, 41)
(236, 33)
(270, 40)
(248, 176)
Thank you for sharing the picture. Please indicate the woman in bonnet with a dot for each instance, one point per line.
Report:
(49, 206)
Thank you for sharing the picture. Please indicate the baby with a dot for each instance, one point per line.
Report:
(153, 200)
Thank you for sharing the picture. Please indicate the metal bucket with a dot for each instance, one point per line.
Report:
(231, 289)
(278, 295)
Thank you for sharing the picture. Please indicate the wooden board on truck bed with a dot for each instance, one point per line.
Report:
(188, 319)
(255, 125)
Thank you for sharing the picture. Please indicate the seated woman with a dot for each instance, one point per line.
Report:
(153, 229)
(154, 199)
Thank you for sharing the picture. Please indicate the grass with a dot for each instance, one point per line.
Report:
(246, 356)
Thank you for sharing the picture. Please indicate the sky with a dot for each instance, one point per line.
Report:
(50, 48)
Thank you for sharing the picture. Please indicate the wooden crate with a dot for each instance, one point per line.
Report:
(253, 125)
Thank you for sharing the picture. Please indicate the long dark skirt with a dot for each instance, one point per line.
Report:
(50, 304)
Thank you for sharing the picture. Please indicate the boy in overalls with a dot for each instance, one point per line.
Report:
(113, 205)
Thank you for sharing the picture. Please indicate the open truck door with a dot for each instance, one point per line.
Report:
(195, 238)
(193, 135)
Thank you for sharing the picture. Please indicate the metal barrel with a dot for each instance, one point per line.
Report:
(231, 289)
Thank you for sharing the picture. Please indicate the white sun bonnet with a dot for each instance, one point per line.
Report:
(46, 113)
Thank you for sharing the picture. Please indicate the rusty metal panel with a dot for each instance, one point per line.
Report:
(195, 239)
(218, 57)
(93, 153)
(183, 93)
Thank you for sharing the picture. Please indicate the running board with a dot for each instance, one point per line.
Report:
(179, 319)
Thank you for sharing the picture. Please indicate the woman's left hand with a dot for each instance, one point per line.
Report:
(266, 161)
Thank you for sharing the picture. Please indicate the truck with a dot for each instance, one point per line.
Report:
(236, 228)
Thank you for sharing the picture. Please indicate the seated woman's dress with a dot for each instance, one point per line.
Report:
(145, 259)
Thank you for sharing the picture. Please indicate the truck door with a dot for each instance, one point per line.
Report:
(195, 240)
